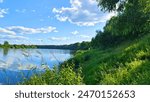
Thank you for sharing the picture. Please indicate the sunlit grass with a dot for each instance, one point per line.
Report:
(125, 64)
(55, 76)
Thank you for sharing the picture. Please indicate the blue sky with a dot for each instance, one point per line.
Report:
(50, 22)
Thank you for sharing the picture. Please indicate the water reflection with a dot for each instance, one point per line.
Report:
(5, 51)
(16, 61)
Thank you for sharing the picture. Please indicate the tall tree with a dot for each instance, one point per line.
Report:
(132, 15)
(6, 43)
(132, 21)
(112, 5)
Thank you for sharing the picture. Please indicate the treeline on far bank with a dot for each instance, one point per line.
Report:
(76, 46)
(14, 46)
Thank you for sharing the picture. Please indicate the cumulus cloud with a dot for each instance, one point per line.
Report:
(59, 38)
(82, 13)
(3, 12)
(26, 30)
(75, 32)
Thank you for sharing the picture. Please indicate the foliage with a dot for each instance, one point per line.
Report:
(111, 5)
(76, 46)
(7, 45)
(131, 23)
(126, 64)
(65, 76)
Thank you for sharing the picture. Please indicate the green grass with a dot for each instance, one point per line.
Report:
(129, 63)
(65, 76)
(125, 64)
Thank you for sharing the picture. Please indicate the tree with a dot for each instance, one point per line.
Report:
(6, 44)
(112, 5)
(145, 5)
(131, 22)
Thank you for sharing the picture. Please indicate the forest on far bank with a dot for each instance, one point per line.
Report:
(76, 46)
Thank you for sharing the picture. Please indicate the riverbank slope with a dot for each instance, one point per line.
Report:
(128, 63)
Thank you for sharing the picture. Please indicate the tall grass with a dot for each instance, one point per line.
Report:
(64, 76)
(129, 63)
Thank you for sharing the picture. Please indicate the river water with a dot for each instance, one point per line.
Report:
(17, 64)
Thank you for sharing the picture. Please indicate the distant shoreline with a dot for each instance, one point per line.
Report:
(76, 46)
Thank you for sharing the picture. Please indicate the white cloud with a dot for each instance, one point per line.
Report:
(1, 1)
(5, 31)
(92, 2)
(13, 37)
(12, 31)
(6, 34)
(21, 11)
(76, 3)
(82, 13)
(16, 37)
(3, 12)
(24, 10)
(75, 32)
(61, 18)
(26, 30)
(84, 36)
(59, 38)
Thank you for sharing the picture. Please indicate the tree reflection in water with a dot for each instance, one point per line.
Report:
(5, 51)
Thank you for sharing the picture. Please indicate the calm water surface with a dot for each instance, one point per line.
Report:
(18, 63)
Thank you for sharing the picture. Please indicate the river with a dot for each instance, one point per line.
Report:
(17, 64)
